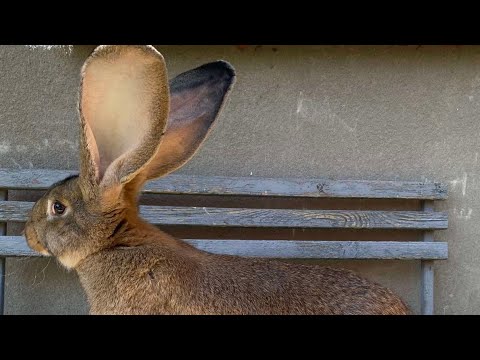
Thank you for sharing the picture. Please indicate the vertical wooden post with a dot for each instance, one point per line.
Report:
(3, 231)
(427, 304)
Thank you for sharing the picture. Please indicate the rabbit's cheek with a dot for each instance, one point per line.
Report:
(32, 240)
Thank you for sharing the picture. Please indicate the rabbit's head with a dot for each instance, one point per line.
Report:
(135, 126)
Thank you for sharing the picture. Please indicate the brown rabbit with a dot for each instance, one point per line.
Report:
(136, 127)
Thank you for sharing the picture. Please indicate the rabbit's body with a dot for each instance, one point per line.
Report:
(136, 126)
(171, 277)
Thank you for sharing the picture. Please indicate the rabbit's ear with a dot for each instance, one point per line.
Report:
(196, 98)
(124, 106)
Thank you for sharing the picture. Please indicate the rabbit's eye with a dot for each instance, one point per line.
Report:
(58, 208)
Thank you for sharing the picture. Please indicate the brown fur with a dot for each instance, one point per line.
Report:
(128, 266)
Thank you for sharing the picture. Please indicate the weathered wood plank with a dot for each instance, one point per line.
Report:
(35, 179)
(3, 230)
(325, 249)
(16, 246)
(427, 279)
(17, 211)
(247, 186)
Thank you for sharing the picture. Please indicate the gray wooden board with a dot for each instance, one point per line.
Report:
(16, 246)
(427, 280)
(247, 186)
(3, 229)
(17, 211)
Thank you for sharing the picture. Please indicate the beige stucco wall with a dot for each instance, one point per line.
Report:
(340, 112)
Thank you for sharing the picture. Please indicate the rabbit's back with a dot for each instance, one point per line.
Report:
(155, 279)
(287, 288)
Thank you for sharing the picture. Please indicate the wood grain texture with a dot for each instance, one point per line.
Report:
(17, 211)
(247, 186)
(427, 273)
(3, 231)
(427, 280)
(15, 246)
(412, 250)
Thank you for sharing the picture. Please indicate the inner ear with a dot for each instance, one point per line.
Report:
(196, 98)
(124, 105)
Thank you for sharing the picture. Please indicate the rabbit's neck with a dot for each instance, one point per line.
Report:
(133, 231)
(137, 232)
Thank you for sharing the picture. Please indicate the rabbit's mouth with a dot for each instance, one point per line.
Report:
(33, 242)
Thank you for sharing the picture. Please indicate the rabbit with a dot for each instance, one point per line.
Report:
(136, 126)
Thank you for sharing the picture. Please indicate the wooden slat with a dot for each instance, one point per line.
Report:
(3, 230)
(16, 246)
(17, 211)
(427, 279)
(247, 186)
(35, 179)
(325, 249)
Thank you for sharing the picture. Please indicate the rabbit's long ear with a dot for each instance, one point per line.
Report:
(196, 98)
(124, 106)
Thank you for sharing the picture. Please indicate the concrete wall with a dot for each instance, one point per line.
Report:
(343, 112)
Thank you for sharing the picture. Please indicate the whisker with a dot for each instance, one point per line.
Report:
(43, 270)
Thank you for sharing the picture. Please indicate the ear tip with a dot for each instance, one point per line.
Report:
(227, 66)
(222, 67)
(116, 51)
